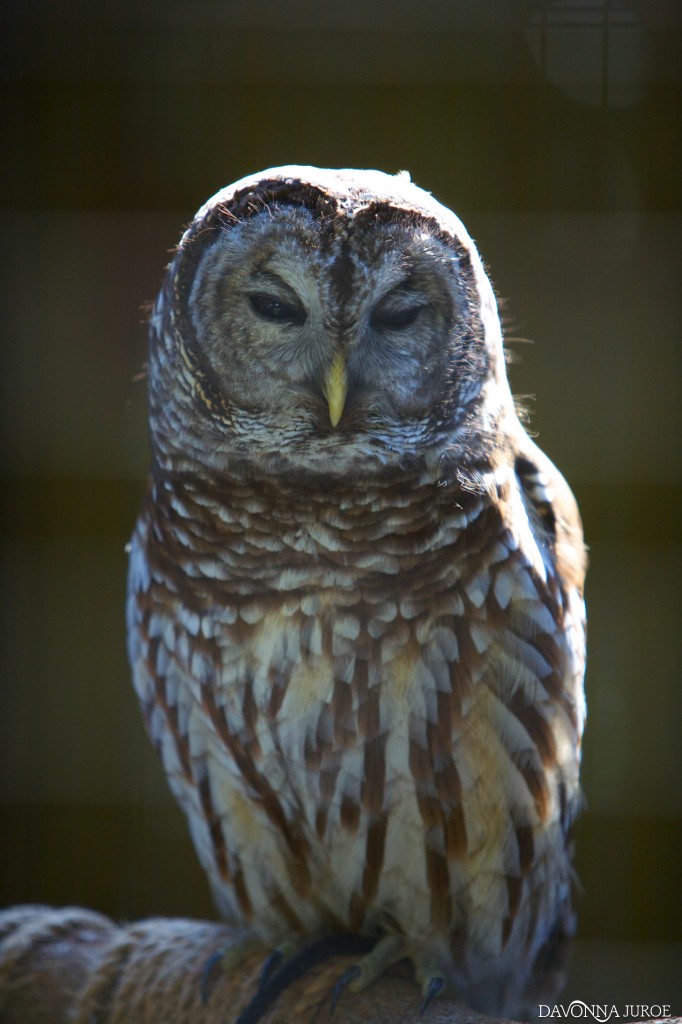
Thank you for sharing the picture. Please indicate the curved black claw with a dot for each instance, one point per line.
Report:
(342, 984)
(315, 953)
(269, 968)
(206, 972)
(434, 988)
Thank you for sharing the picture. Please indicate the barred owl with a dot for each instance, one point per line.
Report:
(355, 611)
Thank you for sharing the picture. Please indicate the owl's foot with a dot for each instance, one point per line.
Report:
(361, 975)
(296, 960)
(227, 958)
(293, 958)
(431, 967)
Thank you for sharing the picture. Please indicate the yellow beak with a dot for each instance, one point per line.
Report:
(336, 388)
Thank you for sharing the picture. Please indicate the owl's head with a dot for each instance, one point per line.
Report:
(324, 322)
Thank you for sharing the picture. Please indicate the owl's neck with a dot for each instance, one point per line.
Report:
(293, 501)
(260, 535)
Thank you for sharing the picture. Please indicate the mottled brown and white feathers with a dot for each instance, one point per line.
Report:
(356, 622)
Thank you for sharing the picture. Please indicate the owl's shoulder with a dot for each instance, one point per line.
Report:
(552, 510)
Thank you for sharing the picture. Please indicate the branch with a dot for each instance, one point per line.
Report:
(73, 966)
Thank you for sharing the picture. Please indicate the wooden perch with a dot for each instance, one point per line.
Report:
(73, 966)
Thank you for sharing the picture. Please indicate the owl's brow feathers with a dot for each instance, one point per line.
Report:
(340, 221)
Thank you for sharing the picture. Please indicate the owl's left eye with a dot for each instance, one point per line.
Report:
(270, 308)
(395, 317)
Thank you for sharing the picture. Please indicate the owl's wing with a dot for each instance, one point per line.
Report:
(554, 513)
(203, 724)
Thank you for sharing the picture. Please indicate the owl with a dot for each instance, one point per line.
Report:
(355, 602)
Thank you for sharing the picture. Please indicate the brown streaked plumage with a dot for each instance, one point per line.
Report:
(355, 611)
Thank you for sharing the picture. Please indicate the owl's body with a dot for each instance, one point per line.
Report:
(355, 607)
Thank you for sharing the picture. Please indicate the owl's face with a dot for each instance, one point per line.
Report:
(327, 331)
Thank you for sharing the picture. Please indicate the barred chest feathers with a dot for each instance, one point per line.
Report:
(369, 713)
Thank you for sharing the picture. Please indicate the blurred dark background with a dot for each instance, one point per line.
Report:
(553, 130)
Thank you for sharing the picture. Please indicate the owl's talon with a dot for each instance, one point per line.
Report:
(361, 975)
(226, 958)
(285, 952)
(342, 984)
(270, 968)
(206, 973)
(434, 987)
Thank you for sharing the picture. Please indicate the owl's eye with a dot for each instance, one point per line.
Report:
(394, 317)
(275, 310)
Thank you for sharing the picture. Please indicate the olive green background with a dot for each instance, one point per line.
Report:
(553, 130)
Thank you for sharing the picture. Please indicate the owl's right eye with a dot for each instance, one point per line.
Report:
(270, 308)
